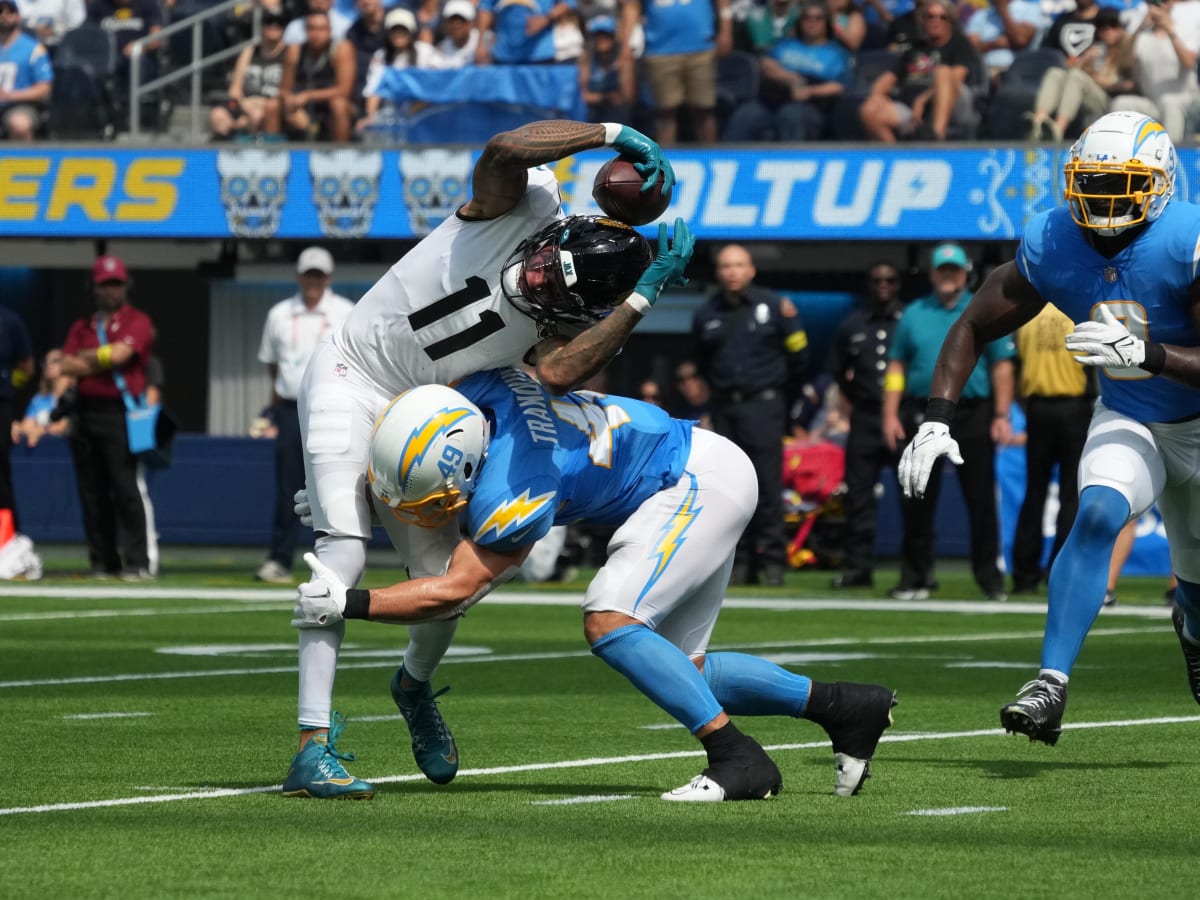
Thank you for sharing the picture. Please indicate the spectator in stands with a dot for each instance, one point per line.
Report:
(880, 16)
(26, 77)
(802, 76)
(1073, 31)
(253, 106)
(927, 90)
(402, 51)
(1087, 83)
(129, 20)
(461, 39)
(368, 33)
(679, 61)
(38, 421)
(291, 333)
(769, 23)
(650, 391)
(849, 24)
(1165, 50)
(113, 343)
(296, 32)
(980, 423)
(49, 20)
(695, 398)
(1003, 29)
(605, 74)
(568, 38)
(318, 80)
(524, 32)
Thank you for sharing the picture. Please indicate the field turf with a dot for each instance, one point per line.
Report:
(150, 727)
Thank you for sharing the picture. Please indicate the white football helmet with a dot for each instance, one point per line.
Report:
(426, 451)
(1120, 173)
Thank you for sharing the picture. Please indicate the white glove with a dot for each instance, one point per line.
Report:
(321, 601)
(1106, 343)
(932, 441)
(302, 507)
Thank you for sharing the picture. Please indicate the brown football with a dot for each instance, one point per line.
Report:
(618, 191)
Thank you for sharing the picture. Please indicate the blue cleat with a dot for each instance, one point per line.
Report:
(317, 770)
(433, 745)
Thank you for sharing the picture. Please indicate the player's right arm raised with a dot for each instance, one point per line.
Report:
(499, 179)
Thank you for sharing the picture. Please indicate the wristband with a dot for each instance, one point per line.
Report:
(104, 356)
(1156, 358)
(893, 381)
(726, 14)
(358, 604)
(939, 409)
(1000, 415)
(612, 130)
(639, 303)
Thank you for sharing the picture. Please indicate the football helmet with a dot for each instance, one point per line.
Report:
(575, 270)
(426, 451)
(1120, 173)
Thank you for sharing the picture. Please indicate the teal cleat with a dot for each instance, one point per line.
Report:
(433, 745)
(317, 770)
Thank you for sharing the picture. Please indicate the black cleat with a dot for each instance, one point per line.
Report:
(747, 774)
(1039, 713)
(1191, 652)
(856, 719)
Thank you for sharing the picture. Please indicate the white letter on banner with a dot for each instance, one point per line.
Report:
(718, 210)
(826, 210)
(913, 184)
(690, 179)
(782, 176)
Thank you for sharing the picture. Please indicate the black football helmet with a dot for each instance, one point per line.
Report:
(575, 270)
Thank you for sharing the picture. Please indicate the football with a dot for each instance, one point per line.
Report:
(618, 191)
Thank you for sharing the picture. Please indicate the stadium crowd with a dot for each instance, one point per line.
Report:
(734, 70)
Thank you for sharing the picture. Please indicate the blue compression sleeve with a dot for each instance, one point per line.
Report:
(746, 685)
(662, 672)
(1079, 575)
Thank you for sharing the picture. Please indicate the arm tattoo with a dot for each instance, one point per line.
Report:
(569, 365)
(542, 142)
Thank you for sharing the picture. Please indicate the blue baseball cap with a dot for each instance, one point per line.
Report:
(950, 255)
(602, 25)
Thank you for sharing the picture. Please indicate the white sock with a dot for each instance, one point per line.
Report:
(1058, 676)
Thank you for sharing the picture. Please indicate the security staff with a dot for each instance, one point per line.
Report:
(858, 360)
(117, 515)
(981, 422)
(1058, 403)
(753, 351)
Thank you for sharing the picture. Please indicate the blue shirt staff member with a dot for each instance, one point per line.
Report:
(981, 422)
(753, 351)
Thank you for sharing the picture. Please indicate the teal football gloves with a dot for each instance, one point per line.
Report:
(647, 156)
(668, 266)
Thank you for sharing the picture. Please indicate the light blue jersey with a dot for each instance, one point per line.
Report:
(557, 460)
(23, 64)
(1145, 286)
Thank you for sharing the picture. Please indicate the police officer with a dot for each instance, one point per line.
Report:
(858, 360)
(980, 422)
(753, 351)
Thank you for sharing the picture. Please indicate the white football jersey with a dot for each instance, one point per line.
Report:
(438, 314)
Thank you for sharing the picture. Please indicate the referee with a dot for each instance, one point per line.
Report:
(1058, 410)
(980, 422)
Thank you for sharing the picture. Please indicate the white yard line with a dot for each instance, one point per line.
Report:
(955, 811)
(566, 764)
(565, 654)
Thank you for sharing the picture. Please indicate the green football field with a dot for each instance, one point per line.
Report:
(150, 728)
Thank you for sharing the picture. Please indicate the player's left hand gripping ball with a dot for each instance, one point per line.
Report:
(1106, 343)
(648, 158)
(932, 442)
(320, 602)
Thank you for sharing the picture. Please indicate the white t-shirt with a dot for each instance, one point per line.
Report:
(438, 314)
(61, 15)
(1158, 69)
(451, 56)
(292, 332)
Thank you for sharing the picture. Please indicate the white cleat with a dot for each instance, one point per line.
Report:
(851, 773)
(700, 789)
